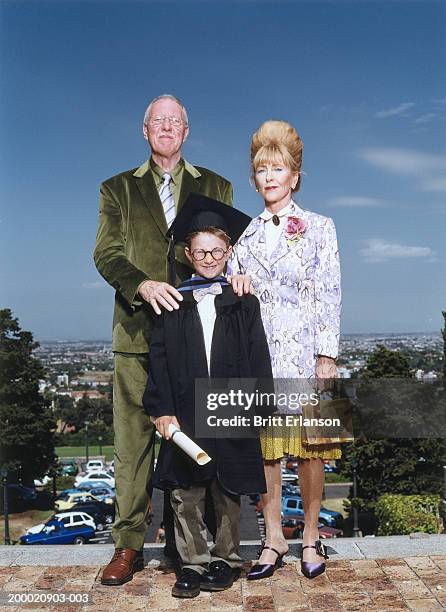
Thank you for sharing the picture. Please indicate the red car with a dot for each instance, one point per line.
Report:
(293, 528)
(292, 464)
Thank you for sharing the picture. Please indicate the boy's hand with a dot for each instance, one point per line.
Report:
(241, 283)
(160, 294)
(162, 425)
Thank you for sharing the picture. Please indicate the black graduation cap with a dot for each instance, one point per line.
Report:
(200, 212)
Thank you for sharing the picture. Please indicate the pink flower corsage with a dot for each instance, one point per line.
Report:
(295, 229)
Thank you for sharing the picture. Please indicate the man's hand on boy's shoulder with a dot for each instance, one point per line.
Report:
(241, 284)
(162, 425)
(160, 294)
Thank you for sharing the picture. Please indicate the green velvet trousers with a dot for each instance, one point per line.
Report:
(134, 450)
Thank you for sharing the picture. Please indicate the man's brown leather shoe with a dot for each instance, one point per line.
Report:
(125, 562)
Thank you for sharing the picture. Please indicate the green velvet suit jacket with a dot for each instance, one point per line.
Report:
(131, 244)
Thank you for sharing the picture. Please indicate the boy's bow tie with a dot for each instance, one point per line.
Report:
(214, 289)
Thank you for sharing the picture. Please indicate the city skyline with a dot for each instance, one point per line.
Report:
(361, 81)
(344, 337)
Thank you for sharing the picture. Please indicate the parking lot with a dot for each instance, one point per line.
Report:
(252, 522)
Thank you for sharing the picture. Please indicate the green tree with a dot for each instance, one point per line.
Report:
(394, 465)
(87, 409)
(383, 363)
(65, 410)
(26, 423)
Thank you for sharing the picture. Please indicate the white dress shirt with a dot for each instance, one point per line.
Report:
(273, 232)
(206, 312)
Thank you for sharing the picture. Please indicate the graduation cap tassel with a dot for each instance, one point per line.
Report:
(171, 261)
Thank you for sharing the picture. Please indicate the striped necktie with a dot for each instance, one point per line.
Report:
(167, 200)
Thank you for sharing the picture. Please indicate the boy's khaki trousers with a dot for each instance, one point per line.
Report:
(190, 529)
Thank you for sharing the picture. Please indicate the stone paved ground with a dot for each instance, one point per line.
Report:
(412, 583)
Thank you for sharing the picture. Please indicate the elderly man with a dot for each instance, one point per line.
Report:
(136, 209)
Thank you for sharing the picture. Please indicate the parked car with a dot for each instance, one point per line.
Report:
(68, 468)
(289, 477)
(67, 499)
(20, 497)
(56, 532)
(41, 482)
(95, 476)
(91, 484)
(100, 490)
(69, 519)
(293, 528)
(102, 514)
(19, 490)
(292, 464)
(289, 489)
(95, 465)
(111, 466)
(328, 469)
(292, 507)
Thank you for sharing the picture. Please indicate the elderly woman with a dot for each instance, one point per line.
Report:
(292, 257)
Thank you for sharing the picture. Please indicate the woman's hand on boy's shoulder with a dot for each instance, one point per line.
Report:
(162, 425)
(241, 284)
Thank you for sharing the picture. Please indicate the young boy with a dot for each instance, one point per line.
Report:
(216, 334)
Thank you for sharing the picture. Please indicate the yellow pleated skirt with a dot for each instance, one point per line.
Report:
(278, 442)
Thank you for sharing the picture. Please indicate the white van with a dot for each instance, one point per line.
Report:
(95, 465)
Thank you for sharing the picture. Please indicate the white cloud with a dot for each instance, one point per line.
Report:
(405, 162)
(378, 250)
(426, 118)
(434, 184)
(401, 109)
(96, 285)
(356, 201)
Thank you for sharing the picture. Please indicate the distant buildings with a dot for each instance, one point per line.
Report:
(355, 348)
(62, 380)
(83, 368)
(344, 372)
(422, 375)
(78, 395)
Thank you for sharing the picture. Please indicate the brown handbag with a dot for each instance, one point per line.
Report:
(339, 411)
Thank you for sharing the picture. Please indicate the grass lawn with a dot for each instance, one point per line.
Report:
(93, 451)
(79, 451)
(21, 521)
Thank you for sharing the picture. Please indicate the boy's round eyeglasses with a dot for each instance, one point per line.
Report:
(200, 254)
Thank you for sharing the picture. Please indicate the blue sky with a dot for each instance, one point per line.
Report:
(363, 83)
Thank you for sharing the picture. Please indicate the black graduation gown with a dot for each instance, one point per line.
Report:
(177, 356)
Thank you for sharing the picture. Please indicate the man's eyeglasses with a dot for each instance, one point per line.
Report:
(159, 120)
(200, 254)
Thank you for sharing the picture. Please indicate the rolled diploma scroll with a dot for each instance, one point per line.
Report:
(188, 445)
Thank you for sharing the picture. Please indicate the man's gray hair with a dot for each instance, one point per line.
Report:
(166, 97)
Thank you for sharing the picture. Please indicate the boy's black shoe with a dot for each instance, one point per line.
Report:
(219, 577)
(188, 584)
